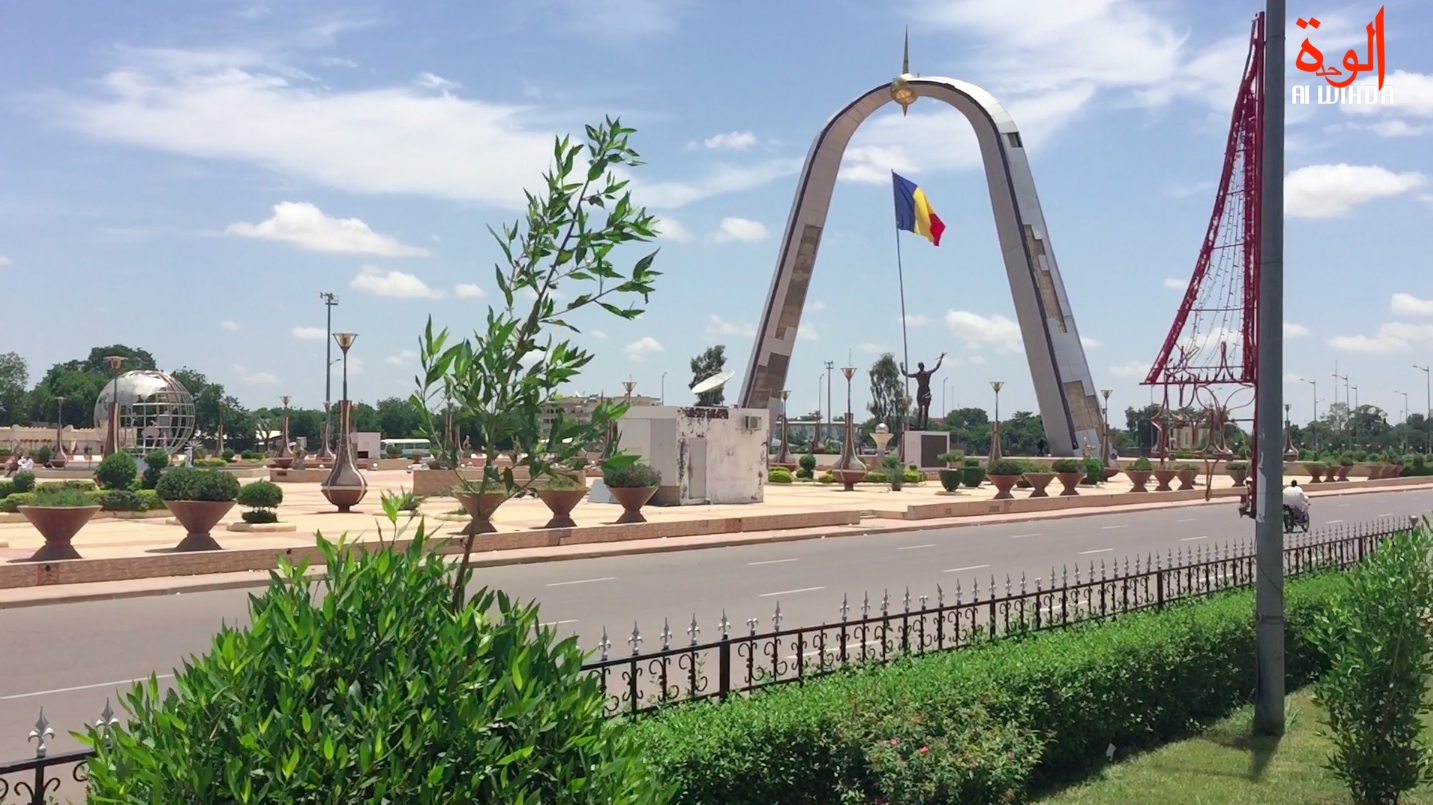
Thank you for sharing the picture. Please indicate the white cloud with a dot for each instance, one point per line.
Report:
(720, 179)
(1130, 369)
(306, 226)
(1404, 304)
(1292, 330)
(609, 20)
(807, 332)
(1412, 95)
(5, 261)
(310, 333)
(668, 229)
(232, 105)
(436, 82)
(1326, 191)
(639, 350)
(1178, 189)
(817, 305)
(231, 326)
(978, 330)
(257, 378)
(740, 229)
(393, 284)
(1391, 337)
(597, 334)
(975, 360)
(721, 327)
(403, 358)
(334, 61)
(735, 141)
(1396, 128)
(871, 349)
(916, 320)
(467, 290)
(355, 365)
(1175, 284)
(1091, 343)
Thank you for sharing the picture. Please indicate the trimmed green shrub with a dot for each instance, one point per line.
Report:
(227, 455)
(24, 481)
(1006, 466)
(261, 495)
(184, 483)
(632, 476)
(911, 476)
(42, 454)
(779, 475)
(122, 500)
(1237, 465)
(1142, 464)
(117, 471)
(950, 479)
(972, 477)
(1185, 467)
(971, 461)
(1073, 692)
(1066, 465)
(249, 455)
(807, 462)
(367, 686)
(1375, 691)
(826, 478)
(62, 496)
(6, 451)
(1094, 471)
(11, 503)
(81, 484)
(152, 503)
(259, 516)
(952, 457)
(876, 477)
(210, 463)
(155, 462)
(6, 487)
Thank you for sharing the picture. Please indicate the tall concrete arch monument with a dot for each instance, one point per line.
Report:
(1063, 385)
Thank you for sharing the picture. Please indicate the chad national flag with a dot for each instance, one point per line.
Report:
(913, 212)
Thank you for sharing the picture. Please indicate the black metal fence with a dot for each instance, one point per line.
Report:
(738, 663)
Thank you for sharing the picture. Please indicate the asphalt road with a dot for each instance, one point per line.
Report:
(69, 657)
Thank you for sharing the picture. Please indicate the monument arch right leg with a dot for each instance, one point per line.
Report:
(1064, 387)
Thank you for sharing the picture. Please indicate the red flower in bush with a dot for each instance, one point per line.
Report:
(894, 742)
(925, 750)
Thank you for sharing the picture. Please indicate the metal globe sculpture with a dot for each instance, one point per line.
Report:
(155, 411)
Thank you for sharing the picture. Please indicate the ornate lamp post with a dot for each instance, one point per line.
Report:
(1108, 453)
(849, 469)
(881, 436)
(628, 385)
(1314, 425)
(285, 458)
(1404, 447)
(1291, 453)
(59, 459)
(111, 439)
(1427, 415)
(219, 443)
(995, 425)
(345, 485)
(325, 456)
(783, 457)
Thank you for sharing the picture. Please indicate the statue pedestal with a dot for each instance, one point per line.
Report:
(923, 448)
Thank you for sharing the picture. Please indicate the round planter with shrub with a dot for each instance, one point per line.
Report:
(1070, 474)
(1039, 478)
(972, 476)
(562, 493)
(1187, 475)
(1239, 471)
(58, 513)
(1316, 470)
(261, 498)
(950, 480)
(1004, 473)
(632, 486)
(198, 499)
(117, 471)
(1139, 473)
(780, 475)
(1164, 476)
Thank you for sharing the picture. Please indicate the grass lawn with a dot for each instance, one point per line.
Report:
(1226, 766)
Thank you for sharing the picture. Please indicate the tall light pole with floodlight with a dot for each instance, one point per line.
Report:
(1428, 414)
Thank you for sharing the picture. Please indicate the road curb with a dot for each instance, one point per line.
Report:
(174, 585)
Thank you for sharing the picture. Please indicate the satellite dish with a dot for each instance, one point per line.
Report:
(712, 383)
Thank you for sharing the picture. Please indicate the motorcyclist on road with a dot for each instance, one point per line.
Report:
(1295, 499)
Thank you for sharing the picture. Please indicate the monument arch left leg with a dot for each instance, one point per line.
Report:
(1064, 387)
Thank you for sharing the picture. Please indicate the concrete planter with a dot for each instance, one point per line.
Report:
(198, 517)
(58, 525)
(1111, 472)
(1331, 474)
(561, 502)
(1342, 473)
(1315, 471)
(1164, 477)
(1139, 478)
(1003, 485)
(480, 509)
(1239, 476)
(848, 478)
(1071, 482)
(1187, 479)
(1038, 482)
(972, 477)
(632, 500)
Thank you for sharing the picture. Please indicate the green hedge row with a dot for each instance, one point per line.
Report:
(995, 720)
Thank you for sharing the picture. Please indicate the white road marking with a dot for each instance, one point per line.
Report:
(1189, 520)
(14, 696)
(962, 569)
(771, 562)
(1328, 522)
(791, 592)
(1191, 539)
(1108, 527)
(1390, 514)
(581, 581)
(1023, 536)
(558, 623)
(1101, 550)
(914, 547)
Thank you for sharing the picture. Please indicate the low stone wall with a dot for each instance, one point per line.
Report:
(305, 476)
(440, 483)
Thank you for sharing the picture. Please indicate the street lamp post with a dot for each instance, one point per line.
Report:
(1404, 448)
(329, 302)
(59, 459)
(1105, 441)
(1314, 426)
(830, 412)
(664, 388)
(1428, 414)
(285, 458)
(995, 424)
(944, 409)
(345, 485)
(111, 444)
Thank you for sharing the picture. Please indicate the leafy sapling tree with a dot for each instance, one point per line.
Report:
(503, 378)
(710, 363)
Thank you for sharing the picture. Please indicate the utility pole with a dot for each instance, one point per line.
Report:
(1314, 426)
(1427, 415)
(1269, 520)
(830, 367)
(329, 302)
(1404, 448)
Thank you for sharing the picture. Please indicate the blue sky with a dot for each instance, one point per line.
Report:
(188, 176)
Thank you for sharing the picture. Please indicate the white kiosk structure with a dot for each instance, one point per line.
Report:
(1063, 385)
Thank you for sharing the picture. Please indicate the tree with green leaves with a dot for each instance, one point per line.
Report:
(709, 364)
(889, 403)
(505, 376)
(14, 378)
